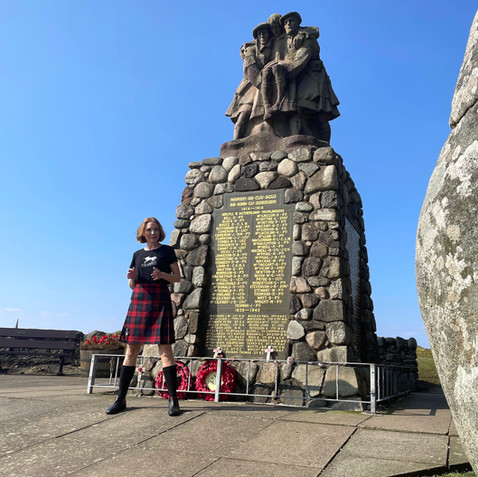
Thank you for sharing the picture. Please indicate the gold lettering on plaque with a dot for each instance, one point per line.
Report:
(249, 301)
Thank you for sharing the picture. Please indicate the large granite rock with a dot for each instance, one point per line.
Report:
(447, 256)
(466, 93)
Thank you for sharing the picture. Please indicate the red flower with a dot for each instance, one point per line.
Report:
(228, 379)
(102, 342)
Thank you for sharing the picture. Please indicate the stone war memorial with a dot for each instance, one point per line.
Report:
(270, 236)
(447, 256)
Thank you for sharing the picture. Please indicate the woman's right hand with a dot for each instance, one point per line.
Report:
(131, 274)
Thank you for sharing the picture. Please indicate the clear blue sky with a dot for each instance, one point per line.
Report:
(104, 103)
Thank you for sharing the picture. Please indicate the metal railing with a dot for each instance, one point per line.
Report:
(375, 383)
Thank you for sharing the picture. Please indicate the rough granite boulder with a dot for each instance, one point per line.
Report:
(447, 256)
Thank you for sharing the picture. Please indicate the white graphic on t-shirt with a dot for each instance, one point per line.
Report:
(150, 261)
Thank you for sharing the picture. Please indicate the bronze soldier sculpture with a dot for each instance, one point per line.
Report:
(285, 88)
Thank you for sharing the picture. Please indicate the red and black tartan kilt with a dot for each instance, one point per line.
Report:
(150, 318)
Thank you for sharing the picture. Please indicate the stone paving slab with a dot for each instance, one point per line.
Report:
(453, 431)
(338, 418)
(295, 443)
(242, 468)
(17, 408)
(412, 423)
(40, 386)
(420, 403)
(351, 465)
(25, 431)
(376, 453)
(145, 461)
(418, 412)
(213, 435)
(456, 455)
(428, 449)
(23, 381)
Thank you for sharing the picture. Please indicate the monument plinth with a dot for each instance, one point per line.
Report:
(265, 143)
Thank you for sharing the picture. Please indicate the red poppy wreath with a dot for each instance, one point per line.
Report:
(206, 379)
(183, 371)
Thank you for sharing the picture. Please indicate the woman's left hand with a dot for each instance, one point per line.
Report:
(157, 274)
(174, 276)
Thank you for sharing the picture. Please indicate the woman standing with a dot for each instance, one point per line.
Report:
(149, 319)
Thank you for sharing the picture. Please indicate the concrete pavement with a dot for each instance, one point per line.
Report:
(51, 427)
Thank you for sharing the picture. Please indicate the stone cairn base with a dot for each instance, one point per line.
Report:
(330, 309)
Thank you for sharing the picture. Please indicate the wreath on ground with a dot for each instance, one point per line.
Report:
(183, 371)
(206, 379)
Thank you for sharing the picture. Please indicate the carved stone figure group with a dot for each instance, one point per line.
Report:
(285, 87)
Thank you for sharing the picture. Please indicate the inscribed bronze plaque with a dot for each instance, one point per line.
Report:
(250, 275)
(353, 249)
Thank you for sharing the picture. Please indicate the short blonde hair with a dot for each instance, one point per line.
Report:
(140, 233)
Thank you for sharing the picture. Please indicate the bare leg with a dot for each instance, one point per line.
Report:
(132, 352)
(166, 354)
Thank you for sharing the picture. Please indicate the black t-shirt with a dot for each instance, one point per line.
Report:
(145, 260)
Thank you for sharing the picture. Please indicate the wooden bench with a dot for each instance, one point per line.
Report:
(34, 342)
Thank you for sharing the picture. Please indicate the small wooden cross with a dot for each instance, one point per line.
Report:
(217, 352)
(268, 351)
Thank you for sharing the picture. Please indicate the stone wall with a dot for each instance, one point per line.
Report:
(399, 352)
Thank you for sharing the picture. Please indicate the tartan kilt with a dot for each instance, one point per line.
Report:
(150, 318)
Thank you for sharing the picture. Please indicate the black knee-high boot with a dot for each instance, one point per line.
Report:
(126, 375)
(170, 377)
